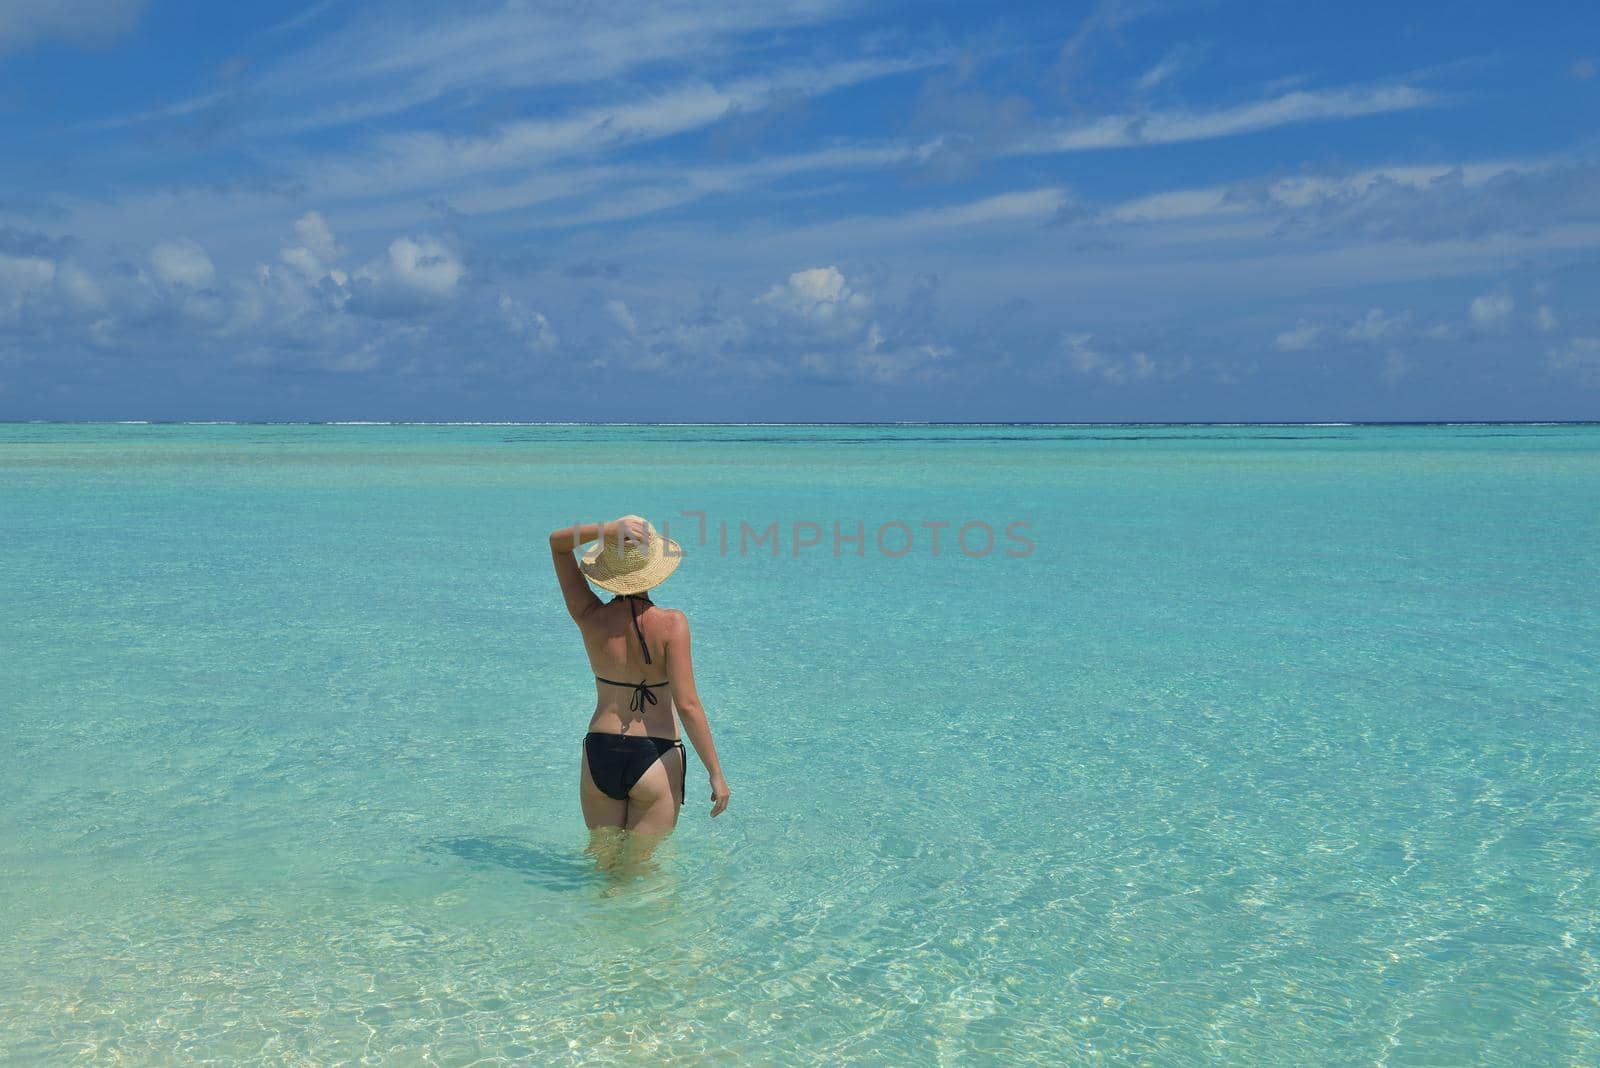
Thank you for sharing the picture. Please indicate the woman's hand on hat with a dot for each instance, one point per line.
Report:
(631, 528)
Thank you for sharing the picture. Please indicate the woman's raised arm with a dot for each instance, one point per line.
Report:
(564, 540)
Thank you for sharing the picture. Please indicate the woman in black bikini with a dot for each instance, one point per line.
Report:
(634, 767)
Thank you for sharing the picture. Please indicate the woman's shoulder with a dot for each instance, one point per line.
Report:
(673, 619)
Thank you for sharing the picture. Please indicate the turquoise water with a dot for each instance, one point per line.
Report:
(1281, 746)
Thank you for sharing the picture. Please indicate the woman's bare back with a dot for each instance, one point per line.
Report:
(615, 654)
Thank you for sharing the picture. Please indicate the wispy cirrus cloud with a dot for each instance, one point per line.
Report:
(560, 159)
(377, 66)
(304, 17)
(1028, 206)
(1405, 200)
(1009, 213)
(1167, 68)
(1105, 17)
(424, 157)
(580, 196)
(82, 22)
(1158, 127)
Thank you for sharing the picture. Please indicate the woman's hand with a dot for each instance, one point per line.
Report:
(631, 528)
(719, 795)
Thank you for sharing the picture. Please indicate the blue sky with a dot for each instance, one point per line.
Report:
(807, 210)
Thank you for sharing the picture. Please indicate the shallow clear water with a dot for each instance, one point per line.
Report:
(1281, 746)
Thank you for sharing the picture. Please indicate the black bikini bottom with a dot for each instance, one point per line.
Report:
(618, 761)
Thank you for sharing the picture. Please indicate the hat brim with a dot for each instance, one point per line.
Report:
(600, 567)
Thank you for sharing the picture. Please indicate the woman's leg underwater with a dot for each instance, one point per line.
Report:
(653, 801)
(605, 816)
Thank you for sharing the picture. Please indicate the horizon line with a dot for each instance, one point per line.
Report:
(806, 423)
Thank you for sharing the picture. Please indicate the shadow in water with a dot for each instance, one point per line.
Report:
(551, 868)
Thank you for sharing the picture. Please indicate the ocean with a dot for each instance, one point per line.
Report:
(1255, 744)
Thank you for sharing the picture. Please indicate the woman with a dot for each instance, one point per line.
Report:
(634, 767)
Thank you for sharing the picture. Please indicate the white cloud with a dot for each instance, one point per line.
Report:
(1583, 69)
(1163, 71)
(310, 14)
(23, 279)
(307, 313)
(1028, 205)
(1300, 337)
(622, 316)
(39, 286)
(421, 267)
(819, 323)
(1088, 359)
(642, 190)
(80, 288)
(1171, 127)
(182, 262)
(1545, 319)
(1376, 325)
(1312, 191)
(1308, 190)
(1024, 210)
(315, 236)
(1490, 311)
(19, 273)
(528, 324)
(292, 310)
(24, 22)
(1105, 16)
(317, 251)
(1080, 355)
(1537, 199)
(1176, 204)
(820, 294)
(881, 362)
(1580, 357)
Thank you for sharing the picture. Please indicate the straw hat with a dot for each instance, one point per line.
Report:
(631, 568)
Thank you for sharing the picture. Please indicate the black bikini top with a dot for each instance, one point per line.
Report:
(641, 689)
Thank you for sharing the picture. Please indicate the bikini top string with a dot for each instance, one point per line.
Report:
(641, 691)
(633, 610)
